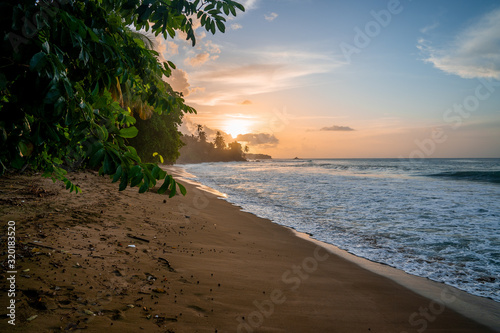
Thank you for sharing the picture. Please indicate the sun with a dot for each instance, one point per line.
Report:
(236, 127)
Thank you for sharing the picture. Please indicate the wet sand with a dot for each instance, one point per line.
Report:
(109, 261)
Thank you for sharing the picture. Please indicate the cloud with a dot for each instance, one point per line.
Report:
(179, 81)
(211, 133)
(270, 17)
(198, 60)
(172, 48)
(336, 128)
(246, 72)
(164, 48)
(188, 127)
(259, 139)
(429, 28)
(246, 102)
(249, 4)
(208, 51)
(196, 90)
(474, 53)
(236, 26)
(204, 50)
(259, 72)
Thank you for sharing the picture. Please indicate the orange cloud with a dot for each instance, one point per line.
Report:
(336, 128)
(198, 60)
(264, 140)
(179, 81)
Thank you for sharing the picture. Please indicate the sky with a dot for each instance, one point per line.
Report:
(348, 79)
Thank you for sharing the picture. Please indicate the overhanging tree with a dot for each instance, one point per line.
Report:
(158, 134)
(63, 64)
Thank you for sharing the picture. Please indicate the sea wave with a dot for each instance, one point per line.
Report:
(480, 176)
(386, 210)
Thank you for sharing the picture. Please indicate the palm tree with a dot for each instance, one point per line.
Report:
(219, 141)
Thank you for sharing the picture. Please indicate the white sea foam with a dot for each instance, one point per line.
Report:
(436, 218)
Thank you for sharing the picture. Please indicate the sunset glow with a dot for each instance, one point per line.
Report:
(234, 127)
(353, 79)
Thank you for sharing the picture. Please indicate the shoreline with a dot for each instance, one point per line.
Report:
(114, 261)
(477, 308)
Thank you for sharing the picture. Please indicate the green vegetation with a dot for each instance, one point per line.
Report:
(258, 157)
(158, 134)
(75, 74)
(197, 149)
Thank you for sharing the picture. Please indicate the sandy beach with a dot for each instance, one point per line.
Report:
(109, 261)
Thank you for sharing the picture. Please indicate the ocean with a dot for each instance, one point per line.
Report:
(434, 218)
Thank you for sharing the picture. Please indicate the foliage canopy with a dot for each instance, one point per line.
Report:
(158, 134)
(72, 74)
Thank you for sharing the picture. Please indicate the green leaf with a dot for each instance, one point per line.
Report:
(182, 189)
(37, 61)
(132, 157)
(83, 56)
(102, 133)
(161, 174)
(108, 164)
(68, 88)
(23, 148)
(124, 182)
(96, 145)
(92, 35)
(136, 180)
(129, 120)
(233, 11)
(96, 159)
(118, 174)
(173, 188)
(144, 187)
(155, 172)
(134, 171)
(17, 162)
(239, 6)
(132, 150)
(148, 177)
(53, 95)
(129, 132)
(165, 185)
(221, 26)
(96, 89)
(46, 47)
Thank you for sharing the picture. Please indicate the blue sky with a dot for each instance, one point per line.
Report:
(340, 79)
